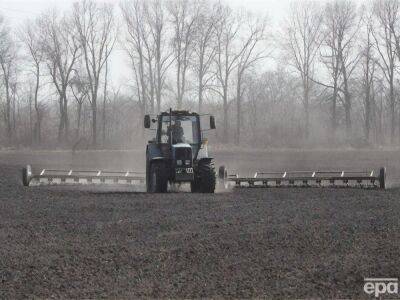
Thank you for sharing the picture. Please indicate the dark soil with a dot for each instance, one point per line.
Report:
(66, 242)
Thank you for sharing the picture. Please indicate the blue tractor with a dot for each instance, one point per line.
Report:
(178, 152)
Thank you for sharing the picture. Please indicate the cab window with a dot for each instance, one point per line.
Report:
(183, 129)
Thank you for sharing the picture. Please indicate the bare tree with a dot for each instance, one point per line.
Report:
(149, 53)
(332, 62)
(80, 91)
(8, 67)
(275, 110)
(386, 13)
(95, 26)
(253, 95)
(227, 32)
(104, 102)
(377, 109)
(184, 24)
(61, 51)
(155, 16)
(204, 49)
(30, 36)
(341, 26)
(186, 51)
(250, 53)
(15, 106)
(134, 17)
(368, 65)
(302, 40)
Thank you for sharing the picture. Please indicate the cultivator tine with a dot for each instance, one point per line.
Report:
(361, 179)
(50, 176)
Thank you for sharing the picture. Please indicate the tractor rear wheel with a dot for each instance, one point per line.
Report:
(158, 179)
(205, 179)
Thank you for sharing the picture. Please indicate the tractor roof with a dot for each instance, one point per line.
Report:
(180, 113)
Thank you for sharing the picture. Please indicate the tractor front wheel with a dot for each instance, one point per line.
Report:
(158, 180)
(205, 179)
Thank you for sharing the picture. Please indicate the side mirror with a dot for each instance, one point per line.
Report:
(212, 122)
(147, 121)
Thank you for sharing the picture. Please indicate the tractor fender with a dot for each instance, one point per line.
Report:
(153, 151)
(157, 158)
(154, 159)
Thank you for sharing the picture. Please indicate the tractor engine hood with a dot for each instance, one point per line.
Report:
(182, 152)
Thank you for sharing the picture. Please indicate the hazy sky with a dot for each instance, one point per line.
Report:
(16, 11)
(20, 9)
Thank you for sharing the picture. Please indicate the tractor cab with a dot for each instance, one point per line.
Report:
(179, 129)
(173, 155)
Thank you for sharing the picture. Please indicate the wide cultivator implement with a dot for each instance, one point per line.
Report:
(361, 179)
(178, 154)
(49, 176)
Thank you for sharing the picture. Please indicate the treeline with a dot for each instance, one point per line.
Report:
(325, 75)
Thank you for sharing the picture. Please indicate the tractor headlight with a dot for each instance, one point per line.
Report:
(179, 162)
(187, 162)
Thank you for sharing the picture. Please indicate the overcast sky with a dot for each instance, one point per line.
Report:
(20, 9)
(16, 11)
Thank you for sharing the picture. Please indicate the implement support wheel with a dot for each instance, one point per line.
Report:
(26, 175)
(382, 178)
